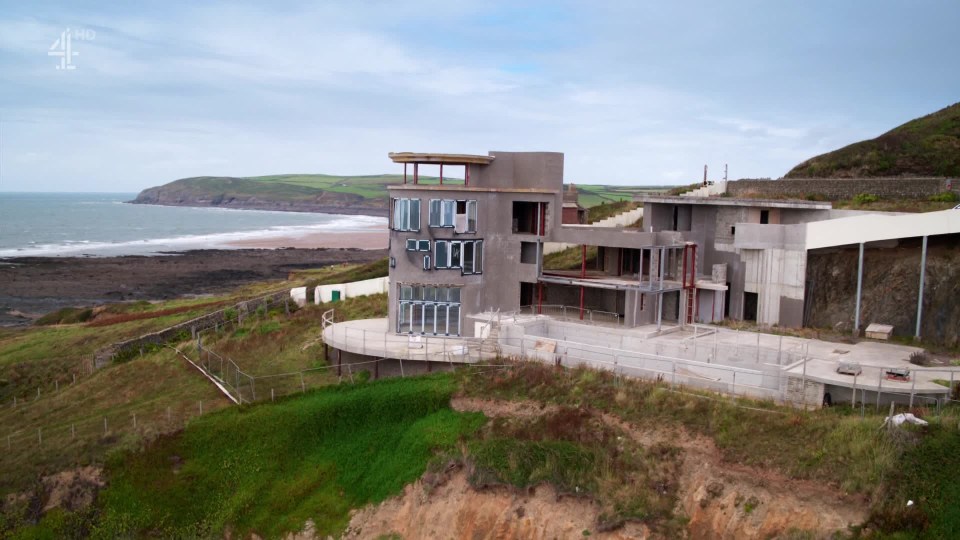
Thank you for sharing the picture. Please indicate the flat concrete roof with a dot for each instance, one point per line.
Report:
(432, 158)
(730, 201)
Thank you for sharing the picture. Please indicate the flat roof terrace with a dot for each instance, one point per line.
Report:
(438, 159)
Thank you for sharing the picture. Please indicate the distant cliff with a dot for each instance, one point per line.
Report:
(364, 195)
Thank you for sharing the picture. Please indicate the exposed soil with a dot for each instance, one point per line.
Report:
(455, 510)
(71, 490)
(33, 286)
(721, 500)
(891, 280)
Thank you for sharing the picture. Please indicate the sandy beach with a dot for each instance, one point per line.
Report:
(374, 238)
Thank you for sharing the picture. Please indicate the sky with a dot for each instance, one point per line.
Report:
(632, 92)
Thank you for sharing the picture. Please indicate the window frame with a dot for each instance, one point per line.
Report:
(406, 215)
(430, 317)
(448, 260)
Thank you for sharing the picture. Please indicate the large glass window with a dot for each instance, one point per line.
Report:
(453, 213)
(429, 310)
(467, 255)
(406, 214)
(441, 254)
(471, 216)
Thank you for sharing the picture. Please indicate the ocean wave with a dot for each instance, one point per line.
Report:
(222, 240)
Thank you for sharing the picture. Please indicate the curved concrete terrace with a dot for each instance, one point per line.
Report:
(712, 358)
(373, 337)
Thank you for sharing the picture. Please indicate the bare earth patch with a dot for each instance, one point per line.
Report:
(722, 500)
(455, 510)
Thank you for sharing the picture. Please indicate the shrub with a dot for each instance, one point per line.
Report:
(865, 198)
(946, 196)
(919, 358)
(67, 315)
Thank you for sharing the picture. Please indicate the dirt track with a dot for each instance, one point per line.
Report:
(32, 286)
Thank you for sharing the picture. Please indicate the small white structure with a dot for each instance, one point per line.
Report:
(340, 291)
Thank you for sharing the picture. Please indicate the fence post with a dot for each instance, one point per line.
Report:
(853, 400)
(271, 395)
(104, 425)
(735, 389)
(56, 386)
(879, 386)
(913, 386)
(401, 369)
(38, 392)
(253, 387)
(134, 420)
(74, 378)
(201, 407)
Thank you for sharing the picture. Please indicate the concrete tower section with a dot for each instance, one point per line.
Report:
(455, 248)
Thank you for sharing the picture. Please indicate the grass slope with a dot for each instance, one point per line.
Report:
(269, 468)
(926, 146)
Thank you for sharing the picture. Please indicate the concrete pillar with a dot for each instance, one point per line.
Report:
(856, 316)
(923, 271)
(663, 267)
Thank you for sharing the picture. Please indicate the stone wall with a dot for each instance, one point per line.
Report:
(834, 189)
(123, 349)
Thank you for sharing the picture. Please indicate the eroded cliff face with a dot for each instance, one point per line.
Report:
(891, 279)
(716, 499)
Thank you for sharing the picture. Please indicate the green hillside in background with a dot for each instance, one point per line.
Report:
(326, 193)
(926, 146)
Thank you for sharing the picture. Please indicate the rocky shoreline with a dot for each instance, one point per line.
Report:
(33, 286)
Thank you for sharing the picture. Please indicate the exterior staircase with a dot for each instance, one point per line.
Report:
(622, 219)
(490, 346)
(713, 190)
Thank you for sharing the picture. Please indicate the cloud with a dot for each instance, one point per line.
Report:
(630, 93)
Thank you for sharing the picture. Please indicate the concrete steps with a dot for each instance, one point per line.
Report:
(490, 346)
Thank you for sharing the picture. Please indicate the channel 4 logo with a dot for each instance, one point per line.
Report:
(63, 47)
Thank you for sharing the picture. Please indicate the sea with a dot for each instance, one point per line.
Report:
(104, 224)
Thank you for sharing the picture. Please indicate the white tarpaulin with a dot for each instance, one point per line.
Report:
(908, 418)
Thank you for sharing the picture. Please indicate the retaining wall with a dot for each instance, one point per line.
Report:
(108, 354)
(834, 189)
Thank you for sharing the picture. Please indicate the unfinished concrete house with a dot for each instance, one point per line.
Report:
(473, 275)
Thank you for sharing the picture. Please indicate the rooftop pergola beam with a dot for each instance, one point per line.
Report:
(439, 159)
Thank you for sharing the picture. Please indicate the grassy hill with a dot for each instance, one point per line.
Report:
(926, 146)
(323, 193)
